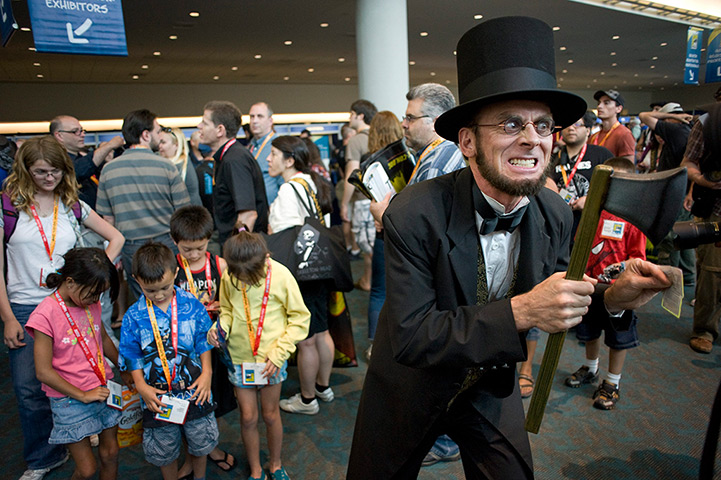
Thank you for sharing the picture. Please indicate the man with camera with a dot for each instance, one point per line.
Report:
(703, 161)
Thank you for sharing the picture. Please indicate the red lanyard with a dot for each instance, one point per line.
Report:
(51, 247)
(225, 149)
(262, 145)
(575, 165)
(423, 155)
(98, 365)
(263, 306)
(159, 340)
(189, 276)
(598, 134)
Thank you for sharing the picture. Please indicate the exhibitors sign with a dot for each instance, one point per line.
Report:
(713, 60)
(87, 27)
(694, 39)
(8, 24)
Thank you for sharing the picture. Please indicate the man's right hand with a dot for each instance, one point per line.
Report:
(554, 305)
(14, 334)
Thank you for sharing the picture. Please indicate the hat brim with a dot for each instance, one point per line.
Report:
(566, 109)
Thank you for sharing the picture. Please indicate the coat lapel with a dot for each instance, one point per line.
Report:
(463, 237)
(535, 245)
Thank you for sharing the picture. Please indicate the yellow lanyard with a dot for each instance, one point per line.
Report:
(256, 153)
(424, 154)
(595, 137)
(159, 339)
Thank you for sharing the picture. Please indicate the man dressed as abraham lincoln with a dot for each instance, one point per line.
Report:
(470, 261)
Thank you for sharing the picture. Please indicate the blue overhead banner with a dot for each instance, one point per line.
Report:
(713, 60)
(694, 40)
(7, 21)
(89, 27)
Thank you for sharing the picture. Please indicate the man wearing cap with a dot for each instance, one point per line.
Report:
(672, 127)
(470, 262)
(614, 136)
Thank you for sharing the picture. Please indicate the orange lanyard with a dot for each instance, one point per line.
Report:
(189, 276)
(159, 340)
(424, 154)
(99, 365)
(595, 137)
(48, 248)
(262, 145)
(254, 345)
(567, 179)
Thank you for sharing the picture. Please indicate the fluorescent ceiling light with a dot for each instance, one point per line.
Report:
(699, 13)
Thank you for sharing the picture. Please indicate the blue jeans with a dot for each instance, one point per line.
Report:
(444, 447)
(378, 287)
(36, 419)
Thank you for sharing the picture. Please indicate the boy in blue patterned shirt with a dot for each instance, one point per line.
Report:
(163, 343)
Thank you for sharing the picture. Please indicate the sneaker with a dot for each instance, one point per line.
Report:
(606, 396)
(326, 396)
(432, 458)
(279, 474)
(295, 404)
(580, 377)
(39, 473)
(369, 352)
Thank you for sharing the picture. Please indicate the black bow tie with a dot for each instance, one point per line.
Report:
(492, 222)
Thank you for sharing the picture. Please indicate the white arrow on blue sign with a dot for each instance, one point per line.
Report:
(88, 27)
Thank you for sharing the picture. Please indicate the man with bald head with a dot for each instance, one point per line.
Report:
(261, 126)
(68, 131)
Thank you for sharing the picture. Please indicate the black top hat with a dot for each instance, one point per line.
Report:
(507, 58)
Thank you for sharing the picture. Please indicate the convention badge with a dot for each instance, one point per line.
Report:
(174, 411)
(567, 196)
(115, 399)
(613, 230)
(253, 373)
(673, 295)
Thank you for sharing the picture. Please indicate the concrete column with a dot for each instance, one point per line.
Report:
(382, 48)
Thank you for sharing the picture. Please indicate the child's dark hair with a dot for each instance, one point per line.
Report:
(91, 269)
(152, 261)
(190, 224)
(621, 164)
(245, 252)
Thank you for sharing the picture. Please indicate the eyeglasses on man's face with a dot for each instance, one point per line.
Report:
(74, 131)
(515, 125)
(41, 173)
(412, 118)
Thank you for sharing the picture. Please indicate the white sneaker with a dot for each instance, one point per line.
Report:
(295, 404)
(39, 474)
(326, 396)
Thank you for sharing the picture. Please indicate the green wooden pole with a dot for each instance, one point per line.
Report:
(595, 199)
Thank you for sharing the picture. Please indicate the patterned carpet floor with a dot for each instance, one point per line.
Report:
(656, 431)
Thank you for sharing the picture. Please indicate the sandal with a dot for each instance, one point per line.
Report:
(222, 463)
(528, 386)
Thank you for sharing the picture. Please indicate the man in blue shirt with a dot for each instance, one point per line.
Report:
(261, 126)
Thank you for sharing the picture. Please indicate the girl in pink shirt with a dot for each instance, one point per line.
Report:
(70, 346)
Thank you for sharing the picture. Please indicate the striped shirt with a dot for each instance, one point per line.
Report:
(445, 158)
(141, 191)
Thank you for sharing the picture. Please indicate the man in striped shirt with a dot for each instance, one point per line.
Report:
(139, 190)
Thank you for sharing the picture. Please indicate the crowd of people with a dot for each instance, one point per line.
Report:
(464, 267)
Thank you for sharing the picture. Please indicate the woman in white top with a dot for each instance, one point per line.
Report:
(174, 147)
(44, 194)
(289, 157)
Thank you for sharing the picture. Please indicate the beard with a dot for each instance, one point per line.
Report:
(517, 188)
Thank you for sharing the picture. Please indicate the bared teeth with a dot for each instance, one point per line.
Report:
(523, 162)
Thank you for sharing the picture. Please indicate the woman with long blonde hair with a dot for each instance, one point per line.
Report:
(174, 146)
(42, 224)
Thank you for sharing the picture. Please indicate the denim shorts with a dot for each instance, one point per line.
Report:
(236, 377)
(162, 444)
(74, 420)
(592, 326)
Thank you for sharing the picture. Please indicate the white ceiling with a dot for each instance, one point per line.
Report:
(229, 34)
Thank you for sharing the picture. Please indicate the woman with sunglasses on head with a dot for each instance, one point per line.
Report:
(174, 147)
(41, 217)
